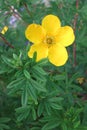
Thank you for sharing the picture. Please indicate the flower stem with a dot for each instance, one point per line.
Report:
(74, 26)
(28, 11)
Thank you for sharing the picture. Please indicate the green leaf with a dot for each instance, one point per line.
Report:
(56, 99)
(85, 115)
(84, 10)
(82, 128)
(3, 126)
(64, 126)
(42, 62)
(23, 112)
(47, 108)
(15, 83)
(34, 114)
(16, 86)
(27, 74)
(76, 124)
(76, 88)
(34, 57)
(31, 91)
(39, 70)
(24, 96)
(38, 86)
(15, 56)
(40, 109)
(39, 73)
(56, 106)
(4, 119)
(39, 76)
(8, 61)
(59, 77)
(51, 125)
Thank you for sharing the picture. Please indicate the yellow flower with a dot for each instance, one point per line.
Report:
(50, 39)
(4, 30)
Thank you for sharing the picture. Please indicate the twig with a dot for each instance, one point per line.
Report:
(26, 7)
(16, 14)
(74, 27)
(6, 42)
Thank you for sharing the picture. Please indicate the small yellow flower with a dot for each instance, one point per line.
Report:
(4, 30)
(50, 40)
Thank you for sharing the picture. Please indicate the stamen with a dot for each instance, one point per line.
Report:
(49, 40)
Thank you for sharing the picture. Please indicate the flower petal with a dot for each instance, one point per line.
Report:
(4, 30)
(35, 33)
(65, 36)
(51, 23)
(57, 55)
(41, 49)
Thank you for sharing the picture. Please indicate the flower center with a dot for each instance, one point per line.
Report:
(49, 40)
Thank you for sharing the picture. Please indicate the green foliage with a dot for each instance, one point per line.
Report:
(37, 95)
(3, 121)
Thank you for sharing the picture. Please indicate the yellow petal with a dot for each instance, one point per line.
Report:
(35, 33)
(41, 49)
(57, 55)
(65, 36)
(4, 30)
(51, 23)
